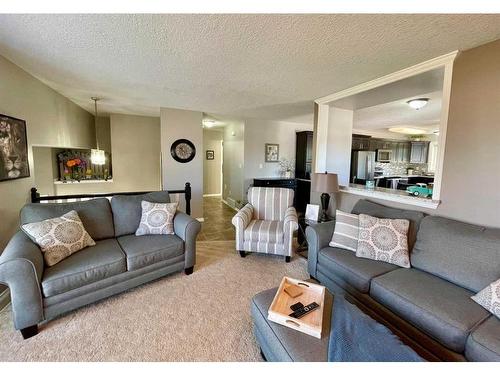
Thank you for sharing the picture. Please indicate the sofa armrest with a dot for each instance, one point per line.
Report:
(240, 222)
(21, 269)
(318, 236)
(187, 229)
(290, 225)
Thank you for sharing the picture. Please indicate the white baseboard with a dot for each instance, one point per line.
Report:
(212, 195)
(200, 219)
(227, 204)
(4, 299)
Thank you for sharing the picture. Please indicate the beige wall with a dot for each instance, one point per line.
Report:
(51, 120)
(212, 169)
(260, 132)
(233, 173)
(175, 124)
(471, 179)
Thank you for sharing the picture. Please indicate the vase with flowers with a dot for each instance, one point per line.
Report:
(287, 167)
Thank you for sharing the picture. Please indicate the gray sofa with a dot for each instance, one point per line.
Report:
(428, 305)
(119, 261)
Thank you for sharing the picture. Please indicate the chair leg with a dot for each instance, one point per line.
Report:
(287, 259)
(29, 331)
(189, 270)
(243, 254)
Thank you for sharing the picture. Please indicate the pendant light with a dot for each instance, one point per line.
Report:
(97, 156)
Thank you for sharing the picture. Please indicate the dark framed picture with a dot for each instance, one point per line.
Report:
(13, 149)
(183, 150)
(210, 155)
(272, 153)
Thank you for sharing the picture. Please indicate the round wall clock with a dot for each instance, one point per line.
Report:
(183, 150)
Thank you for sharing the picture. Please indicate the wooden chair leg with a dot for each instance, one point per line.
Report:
(243, 254)
(189, 270)
(287, 259)
(29, 331)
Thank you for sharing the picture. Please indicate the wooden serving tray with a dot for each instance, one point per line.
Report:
(310, 324)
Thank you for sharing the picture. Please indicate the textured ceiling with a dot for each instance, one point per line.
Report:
(264, 66)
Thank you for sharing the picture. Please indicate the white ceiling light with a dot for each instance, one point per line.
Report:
(418, 103)
(208, 123)
(410, 131)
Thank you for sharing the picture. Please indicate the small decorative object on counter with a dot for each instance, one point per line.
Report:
(370, 184)
(420, 189)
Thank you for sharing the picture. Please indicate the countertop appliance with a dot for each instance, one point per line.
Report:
(362, 166)
(384, 156)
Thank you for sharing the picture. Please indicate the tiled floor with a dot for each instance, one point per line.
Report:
(217, 225)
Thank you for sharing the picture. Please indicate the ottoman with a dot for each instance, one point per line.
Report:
(281, 344)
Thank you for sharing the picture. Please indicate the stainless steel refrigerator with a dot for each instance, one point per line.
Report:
(362, 166)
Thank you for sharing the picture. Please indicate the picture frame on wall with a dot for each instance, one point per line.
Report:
(312, 212)
(13, 149)
(210, 154)
(272, 153)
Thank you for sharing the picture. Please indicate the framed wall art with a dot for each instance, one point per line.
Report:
(13, 149)
(272, 152)
(210, 154)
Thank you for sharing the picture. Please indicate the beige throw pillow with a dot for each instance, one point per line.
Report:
(346, 231)
(157, 218)
(60, 237)
(489, 298)
(384, 239)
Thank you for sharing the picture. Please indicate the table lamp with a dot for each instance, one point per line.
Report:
(324, 183)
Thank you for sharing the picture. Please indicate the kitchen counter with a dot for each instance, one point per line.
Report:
(402, 176)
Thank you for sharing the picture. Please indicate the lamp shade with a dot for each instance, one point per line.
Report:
(325, 182)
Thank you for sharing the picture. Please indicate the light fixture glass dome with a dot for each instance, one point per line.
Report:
(418, 103)
(97, 157)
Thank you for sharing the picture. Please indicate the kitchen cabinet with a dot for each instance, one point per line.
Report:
(401, 151)
(303, 154)
(360, 143)
(419, 152)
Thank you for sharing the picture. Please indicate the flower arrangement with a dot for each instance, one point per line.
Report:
(287, 167)
(73, 162)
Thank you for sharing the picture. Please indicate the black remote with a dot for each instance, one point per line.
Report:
(299, 313)
(296, 306)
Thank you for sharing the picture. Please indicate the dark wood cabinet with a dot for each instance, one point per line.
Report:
(303, 154)
(360, 142)
(419, 152)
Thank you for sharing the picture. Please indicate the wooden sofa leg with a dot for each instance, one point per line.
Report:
(243, 254)
(189, 270)
(287, 259)
(29, 331)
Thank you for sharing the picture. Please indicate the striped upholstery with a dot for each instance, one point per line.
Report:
(270, 203)
(266, 224)
(346, 231)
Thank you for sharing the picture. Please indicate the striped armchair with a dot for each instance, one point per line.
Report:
(267, 222)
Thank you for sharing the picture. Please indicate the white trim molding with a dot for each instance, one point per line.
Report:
(321, 153)
(212, 195)
(4, 299)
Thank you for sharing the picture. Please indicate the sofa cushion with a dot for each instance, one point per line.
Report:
(270, 203)
(489, 298)
(357, 272)
(95, 214)
(465, 254)
(439, 308)
(366, 207)
(264, 231)
(141, 251)
(87, 266)
(127, 210)
(483, 343)
(346, 232)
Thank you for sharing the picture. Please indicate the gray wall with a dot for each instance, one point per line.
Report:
(233, 174)
(175, 124)
(212, 169)
(260, 132)
(471, 178)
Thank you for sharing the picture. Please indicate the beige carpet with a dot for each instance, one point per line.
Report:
(201, 317)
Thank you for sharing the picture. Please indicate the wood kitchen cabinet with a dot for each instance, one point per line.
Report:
(419, 152)
(360, 142)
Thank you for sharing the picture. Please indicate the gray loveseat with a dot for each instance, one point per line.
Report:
(119, 261)
(428, 305)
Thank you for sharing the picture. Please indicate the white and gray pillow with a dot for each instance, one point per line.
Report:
(346, 232)
(59, 237)
(157, 218)
(489, 298)
(385, 240)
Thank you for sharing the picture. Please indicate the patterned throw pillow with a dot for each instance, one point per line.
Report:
(489, 298)
(346, 231)
(157, 218)
(384, 239)
(60, 237)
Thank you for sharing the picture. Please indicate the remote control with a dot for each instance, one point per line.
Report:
(296, 306)
(299, 313)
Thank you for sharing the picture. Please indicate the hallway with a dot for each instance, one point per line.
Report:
(217, 225)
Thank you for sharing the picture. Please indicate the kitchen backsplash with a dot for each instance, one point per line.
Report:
(395, 168)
